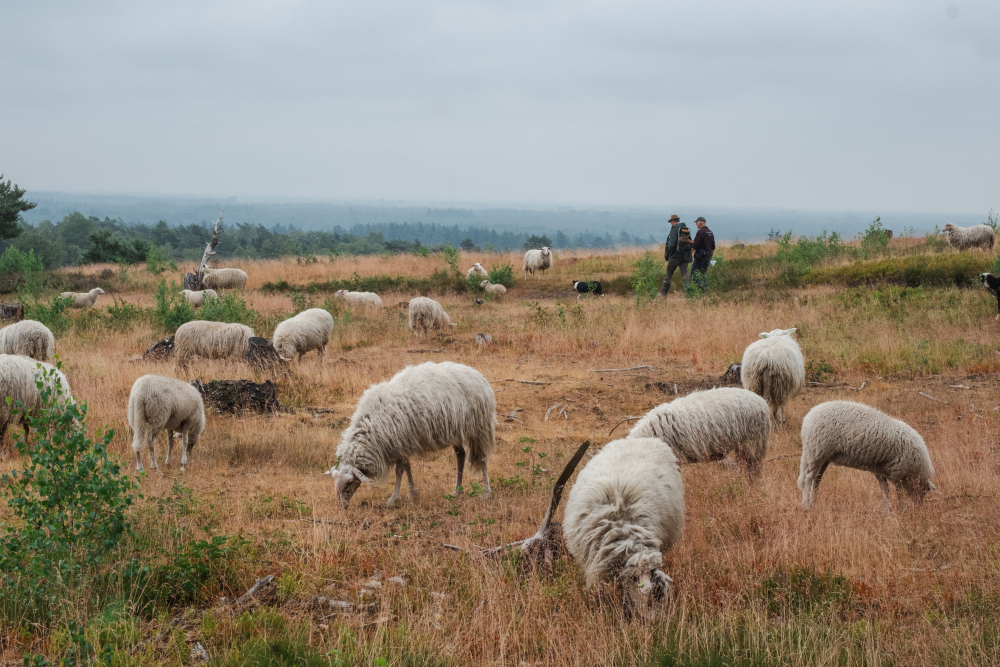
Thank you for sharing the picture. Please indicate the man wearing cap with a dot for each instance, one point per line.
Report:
(704, 248)
(677, 252)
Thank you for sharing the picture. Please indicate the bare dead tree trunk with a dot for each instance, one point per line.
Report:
(209, 251)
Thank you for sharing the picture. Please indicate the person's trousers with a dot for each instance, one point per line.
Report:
(673, 265)
(698, 270)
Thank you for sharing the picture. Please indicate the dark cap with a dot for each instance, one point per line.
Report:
(674, 218)
(701, 218)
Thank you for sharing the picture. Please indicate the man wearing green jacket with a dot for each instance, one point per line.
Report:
(677, 253)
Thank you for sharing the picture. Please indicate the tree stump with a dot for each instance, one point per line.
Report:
(13, 312)
(233, 396)
(161, 349)
(191, 282)
(262, 355)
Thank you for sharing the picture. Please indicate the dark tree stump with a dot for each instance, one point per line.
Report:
(262, 354)
(233, 396)
(161, 349)
(191, 282)
(12, 312)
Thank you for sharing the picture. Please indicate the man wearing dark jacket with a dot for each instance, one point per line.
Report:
(704, 248)
(677, 252)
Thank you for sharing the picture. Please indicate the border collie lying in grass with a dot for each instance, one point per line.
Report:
(992, 285)
(589, 287)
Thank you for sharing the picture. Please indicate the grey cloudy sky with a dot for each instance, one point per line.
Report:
(841, 105)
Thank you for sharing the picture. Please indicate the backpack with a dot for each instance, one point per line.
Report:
(684, 243)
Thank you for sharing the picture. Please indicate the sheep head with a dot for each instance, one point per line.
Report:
(484, 284)
(97, 290)
(948, 228)
(778, 332)
(546, 251)
(645, 585)
(346, 480)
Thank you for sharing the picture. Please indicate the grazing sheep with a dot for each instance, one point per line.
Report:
(159, 403)
(27, 338)
(210, 340)
(17, 382)
(83, 299)
(309, 330)
(626, 507)
(858, 436)
(426, 315)
(359, 298)
(964, 238)
(992, 285)
(774, 368)
(707, 425)
(495, 290)
(224, 278)
(422, 409)
(537, 260)
(197, 299)
(477, 270)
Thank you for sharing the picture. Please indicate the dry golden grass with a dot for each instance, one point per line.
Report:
(921, 584)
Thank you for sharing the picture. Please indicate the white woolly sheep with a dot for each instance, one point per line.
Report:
(309, 330)
(707, 425)
(626, 507)
(774, 368)
(17, 381)
(477, 270)
(496, 290)
(359, 298)
(859, 436)
(422, 409)
(537, 260)
(27, 338)
(83, 299)
(426, 315)
(210, 340)
(964, 238)
(224, 278)
(197, 299)
(159, 403)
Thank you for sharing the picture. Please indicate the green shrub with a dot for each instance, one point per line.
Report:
(24, 263)
(171, 309)
(52, 314)
(124, 315)
(502, 274)
(798, 258)
(230, 308)
(648, 277)
(156, 260)
(951, 269)
(875, 239)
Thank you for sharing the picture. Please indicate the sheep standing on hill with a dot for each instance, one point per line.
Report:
(197, 299)
(495, 290)
(626, 507)
(27, 338)
(477, 270)
(422, 409)
(858, 436)
(537, 260)
(309, 330)
(17, 382)
(964, 238)
(358, 298)
(774, 368)
(210, 340)
(427, 315)
(159, 403)
(83, 299)
(707, 425)
(224, 278)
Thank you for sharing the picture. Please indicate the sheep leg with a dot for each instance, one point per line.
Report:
(460, 461)
(884, 485)
(3, 447)
(782, 415)
(414, 491)
(321, 351)
(184, 449)
(394, 498)
(170, 446)
(486, 480)
(152, 451)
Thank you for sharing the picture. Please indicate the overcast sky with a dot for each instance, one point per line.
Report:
(891, 105)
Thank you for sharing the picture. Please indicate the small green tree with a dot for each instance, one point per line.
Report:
(875, 239)
(12, 205)
(647, 278)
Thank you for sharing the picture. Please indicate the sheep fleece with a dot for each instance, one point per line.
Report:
(309, 330)
(537, 260)
(211, 340)
(27, 338)
(626, 507)
(977, 236)
(159, 403)
(427, 314)
(224, 278)
(774, 369)
(17, 381)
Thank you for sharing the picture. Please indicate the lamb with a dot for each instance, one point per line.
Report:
(159, 403)
(309, 330)
(859, 436)
(83, 299)
(422, 409)
(27, 338)
(707, 425)
(964, 238)
(211, 340)
(359, 298)
(427, 314)
(197, 299)
(774, 368)
(224, 278)
(477, 270)
(537, 260)
(17, 382)
(992, 285)
(495, 290)
(626, 507)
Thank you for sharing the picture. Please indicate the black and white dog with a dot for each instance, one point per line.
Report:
(589, 287)
(992, 285)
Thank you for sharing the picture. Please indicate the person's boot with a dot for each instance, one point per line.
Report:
(665, 288)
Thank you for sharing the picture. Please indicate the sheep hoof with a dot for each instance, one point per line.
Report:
(393, 502)
(413, 494)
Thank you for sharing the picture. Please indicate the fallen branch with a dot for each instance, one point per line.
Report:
(549, 411)
(452, 547)
(423, 351)
(783, 456)
(931, 397)
(525, 381)
(615, 370)
(620, 423)
(260, 583)
(564, 414)
(511, 417)
(858, 388)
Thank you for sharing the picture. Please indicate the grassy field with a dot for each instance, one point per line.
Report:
(758, 580)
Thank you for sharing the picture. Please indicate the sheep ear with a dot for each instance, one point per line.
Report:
(360, 476)
(791, 331)
(763, 335)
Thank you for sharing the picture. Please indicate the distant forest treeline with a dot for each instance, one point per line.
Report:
(79, 239)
